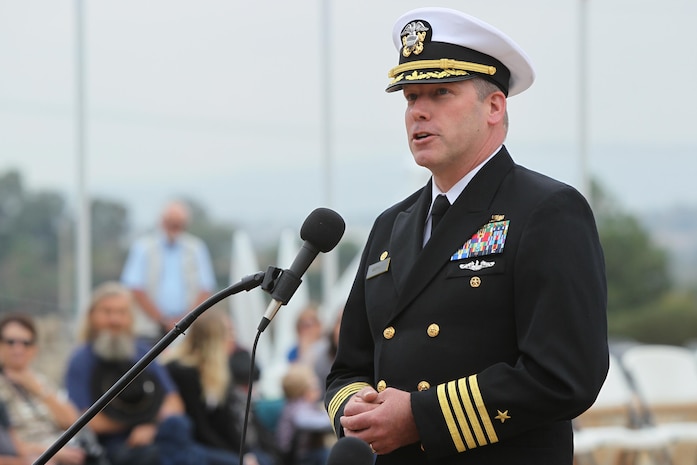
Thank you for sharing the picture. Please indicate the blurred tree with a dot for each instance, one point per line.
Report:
(643, 302)
(11, 195)
(110, 227)
(29, 224)
(637, 269)
(670, 320)
(37, 246)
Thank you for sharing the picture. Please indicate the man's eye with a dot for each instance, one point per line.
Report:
(410, 97)
(442, 91)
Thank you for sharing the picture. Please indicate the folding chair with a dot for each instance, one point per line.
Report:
(612, 425)
(665, 378)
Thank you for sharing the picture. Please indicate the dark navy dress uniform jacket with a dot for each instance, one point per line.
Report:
(501, 343)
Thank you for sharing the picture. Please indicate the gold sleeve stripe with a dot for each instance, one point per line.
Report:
(471, 413)
(341, 396)
(481, 408)
(465, 414)
(449, 420)
(460, 415)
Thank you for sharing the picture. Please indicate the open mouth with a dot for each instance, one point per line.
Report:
(421, 135)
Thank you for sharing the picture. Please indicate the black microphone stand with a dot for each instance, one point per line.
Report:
(245, 284)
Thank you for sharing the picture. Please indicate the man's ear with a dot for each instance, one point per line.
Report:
(497, 107)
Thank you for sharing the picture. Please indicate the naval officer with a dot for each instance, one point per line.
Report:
(476, 327)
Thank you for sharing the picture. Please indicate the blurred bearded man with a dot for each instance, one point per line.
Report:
(114, 346)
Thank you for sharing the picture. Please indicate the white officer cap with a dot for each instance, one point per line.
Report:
(445, 45)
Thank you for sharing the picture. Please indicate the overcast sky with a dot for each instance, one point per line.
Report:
(220, 100)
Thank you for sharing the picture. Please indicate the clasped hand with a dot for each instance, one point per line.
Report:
(384, 420)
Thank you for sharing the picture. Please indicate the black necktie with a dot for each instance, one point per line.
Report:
(440, 206)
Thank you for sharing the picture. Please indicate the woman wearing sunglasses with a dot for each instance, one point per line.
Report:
(38, 411)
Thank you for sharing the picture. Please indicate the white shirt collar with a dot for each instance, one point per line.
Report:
(453, 193)
(459, 186)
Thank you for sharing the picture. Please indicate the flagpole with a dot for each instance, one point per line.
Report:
(330, 260)
(83, 218)
(586, 187)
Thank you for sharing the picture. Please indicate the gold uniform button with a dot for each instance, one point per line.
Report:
(388, 333)
(433, 330)
(475, 281)
(382, 385)
(383, 255)
(423, 386)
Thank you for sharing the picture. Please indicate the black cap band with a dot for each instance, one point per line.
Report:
(444, 62)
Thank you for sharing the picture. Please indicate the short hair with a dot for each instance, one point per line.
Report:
(485, 88)
(22, 319)
(298, 380)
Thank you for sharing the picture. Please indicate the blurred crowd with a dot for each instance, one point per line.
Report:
(196, 403)
(189, 406)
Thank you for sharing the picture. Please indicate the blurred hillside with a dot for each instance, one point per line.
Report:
(651, 258)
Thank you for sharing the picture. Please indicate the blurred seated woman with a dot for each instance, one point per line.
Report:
(200, 369)
(38, 410)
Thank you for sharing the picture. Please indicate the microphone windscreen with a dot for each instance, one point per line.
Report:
(350, 451)
(323, 228)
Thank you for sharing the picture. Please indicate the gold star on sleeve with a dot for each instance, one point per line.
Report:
(502, 416)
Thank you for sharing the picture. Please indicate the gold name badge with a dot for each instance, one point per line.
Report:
(378, 268)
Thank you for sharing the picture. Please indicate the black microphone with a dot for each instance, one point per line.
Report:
(321, 232)
(350, 451)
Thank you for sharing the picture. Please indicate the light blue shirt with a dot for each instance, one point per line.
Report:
(171, 293)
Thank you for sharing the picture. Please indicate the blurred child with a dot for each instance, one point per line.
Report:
(304, 424)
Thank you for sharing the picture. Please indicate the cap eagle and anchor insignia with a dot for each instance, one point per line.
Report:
(413, 37)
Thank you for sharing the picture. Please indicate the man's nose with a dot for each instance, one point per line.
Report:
(420, 109)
